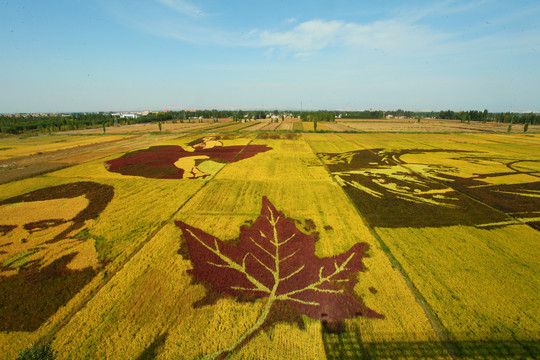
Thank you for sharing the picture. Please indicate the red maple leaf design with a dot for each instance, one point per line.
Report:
(273, 259)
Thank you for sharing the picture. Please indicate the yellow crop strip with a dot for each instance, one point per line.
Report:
(482, 284)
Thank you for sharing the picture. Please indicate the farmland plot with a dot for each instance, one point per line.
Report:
(99, 248)
(167, 126)
(452, 211)
(286, 125)
(15, 147)
(158, 299)
(283, 246)
(47, 159)
(424, 126)
(105, 242)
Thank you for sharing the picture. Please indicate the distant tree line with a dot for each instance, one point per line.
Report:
(32, 123)
(507, 117)
(316, 116)
(43, 124)
(366, 114)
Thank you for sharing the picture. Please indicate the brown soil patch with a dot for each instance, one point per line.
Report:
(278, 136)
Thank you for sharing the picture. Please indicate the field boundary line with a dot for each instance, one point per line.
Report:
(110, 275)
(436, 324)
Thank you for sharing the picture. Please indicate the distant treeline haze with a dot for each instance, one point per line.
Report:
(23, 123)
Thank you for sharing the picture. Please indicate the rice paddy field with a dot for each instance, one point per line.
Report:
(240, 242)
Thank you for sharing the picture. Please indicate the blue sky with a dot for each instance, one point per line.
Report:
(104, 55)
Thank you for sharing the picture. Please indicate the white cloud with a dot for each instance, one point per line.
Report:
(182, 7)
(311, 36)
(307, 37)
(401, 34)
(289, 21)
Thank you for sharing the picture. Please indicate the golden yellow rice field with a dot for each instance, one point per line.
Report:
(450, 224)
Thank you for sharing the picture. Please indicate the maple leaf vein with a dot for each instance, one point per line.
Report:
(322, 280)
(231, 264)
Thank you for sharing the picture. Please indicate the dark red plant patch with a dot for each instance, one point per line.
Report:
(157, 162)
(273, 259)
(30, 297)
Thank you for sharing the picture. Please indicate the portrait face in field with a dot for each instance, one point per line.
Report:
(198, 159)
(438, 187)
(41, 253)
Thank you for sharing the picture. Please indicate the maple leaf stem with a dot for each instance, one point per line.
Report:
(249, 332)
(271, 297)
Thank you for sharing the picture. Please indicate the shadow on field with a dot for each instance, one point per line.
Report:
(152, 350)
(349, 345)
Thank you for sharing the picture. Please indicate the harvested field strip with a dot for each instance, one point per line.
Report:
(285, 126)
(17, 147)
(236, 126)
(271, 126)
(339, 127)
(256, 127)
(426, 126)
(211, 127)
(144, 128)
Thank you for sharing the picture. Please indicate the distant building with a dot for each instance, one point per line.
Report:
(129, 116)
